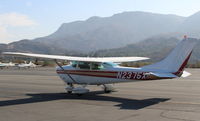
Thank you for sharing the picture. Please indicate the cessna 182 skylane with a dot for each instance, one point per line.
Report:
(104, 71)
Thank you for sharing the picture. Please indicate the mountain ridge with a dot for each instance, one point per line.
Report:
(116, 31)
(103, 33)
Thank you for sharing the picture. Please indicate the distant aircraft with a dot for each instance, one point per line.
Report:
(25, 65)
(6, 65)
(104, 71)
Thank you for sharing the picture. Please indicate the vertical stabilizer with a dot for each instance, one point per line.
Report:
(176, 61)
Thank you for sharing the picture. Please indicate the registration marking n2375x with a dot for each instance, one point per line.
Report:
(131, 75)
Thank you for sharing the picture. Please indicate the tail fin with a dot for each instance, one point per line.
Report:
(176, 61)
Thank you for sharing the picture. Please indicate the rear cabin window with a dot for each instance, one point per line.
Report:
(96, 66)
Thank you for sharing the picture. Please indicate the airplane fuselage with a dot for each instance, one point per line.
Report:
(105, 76)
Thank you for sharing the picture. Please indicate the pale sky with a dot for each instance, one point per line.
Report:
(28, 19)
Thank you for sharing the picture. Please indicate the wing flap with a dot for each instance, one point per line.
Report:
(84, 59)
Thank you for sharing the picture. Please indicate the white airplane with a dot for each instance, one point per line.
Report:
(4, 65)
(27, 65)
(85, 71)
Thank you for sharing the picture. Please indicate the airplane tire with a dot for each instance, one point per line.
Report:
(107, 91)
(108, 88)
(79, 95)
(69, 92)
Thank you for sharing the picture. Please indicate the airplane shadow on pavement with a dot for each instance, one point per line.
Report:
(125, 103)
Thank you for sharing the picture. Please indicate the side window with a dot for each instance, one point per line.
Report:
(84, 65)
(80, 65)
(87, 65)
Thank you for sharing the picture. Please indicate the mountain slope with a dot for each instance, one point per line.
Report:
(155, 48)
(111, 32)
(191, 25)
(34, 47)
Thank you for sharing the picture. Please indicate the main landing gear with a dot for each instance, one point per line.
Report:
(108, 88)
(81, 89)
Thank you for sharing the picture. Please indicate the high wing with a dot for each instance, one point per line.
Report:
(83, 59)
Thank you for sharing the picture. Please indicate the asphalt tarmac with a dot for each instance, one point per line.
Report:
(39, 95)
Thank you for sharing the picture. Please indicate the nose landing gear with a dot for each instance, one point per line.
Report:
(69, 88)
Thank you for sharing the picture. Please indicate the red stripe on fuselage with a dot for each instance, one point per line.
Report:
(87, 74)
(111, 74)
(90, 73)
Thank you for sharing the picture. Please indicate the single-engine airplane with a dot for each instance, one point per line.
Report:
(26, 65)
(104, 71)
(6, 65)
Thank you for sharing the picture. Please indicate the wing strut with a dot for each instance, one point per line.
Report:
(65, 71)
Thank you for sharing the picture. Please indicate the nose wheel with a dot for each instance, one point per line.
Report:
(69, 88)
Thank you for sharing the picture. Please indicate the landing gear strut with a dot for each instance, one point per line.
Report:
(69, 88)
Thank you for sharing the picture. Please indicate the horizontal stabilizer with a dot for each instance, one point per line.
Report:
(185, 74)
